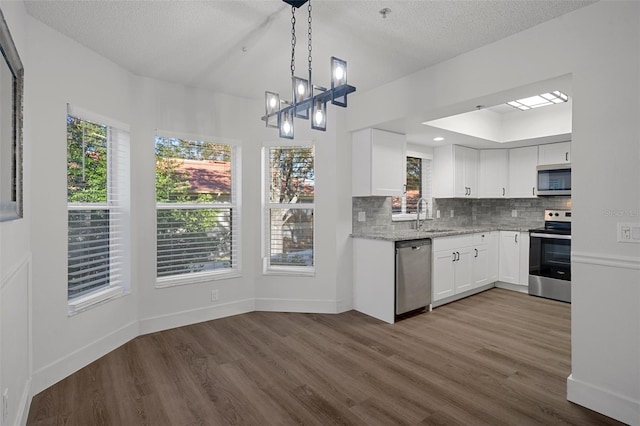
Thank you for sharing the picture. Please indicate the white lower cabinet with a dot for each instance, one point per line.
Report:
(443, 277)
(514, 257)
(462, 263)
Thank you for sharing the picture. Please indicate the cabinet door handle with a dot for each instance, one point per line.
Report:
(457, 255)
(503, 192)
(533, 191)
(404, 188)
(566, 156)
(476, 253)
(454, 256)
(516, 236)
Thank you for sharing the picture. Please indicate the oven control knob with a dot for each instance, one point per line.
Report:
(550, 214)
(557, 214)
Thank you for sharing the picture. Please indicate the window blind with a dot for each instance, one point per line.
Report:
(98, 206)
(289, 212)
(197, 214)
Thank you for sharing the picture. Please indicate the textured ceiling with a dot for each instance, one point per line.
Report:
(243, 47)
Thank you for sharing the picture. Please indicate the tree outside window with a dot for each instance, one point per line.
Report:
(290, 208)
(195, 207)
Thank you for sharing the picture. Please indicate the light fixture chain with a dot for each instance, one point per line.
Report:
(310, 47)
(293, 40)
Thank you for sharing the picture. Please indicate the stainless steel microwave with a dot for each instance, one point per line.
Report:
(554, 179)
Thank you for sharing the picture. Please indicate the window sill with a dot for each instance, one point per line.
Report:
(405, 217)
(290, 271)
(195, 278)
(91, 300)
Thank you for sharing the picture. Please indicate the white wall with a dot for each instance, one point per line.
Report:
(15, 274)
(599, 45)
(605, 109)
(61, 71)
(58, 72)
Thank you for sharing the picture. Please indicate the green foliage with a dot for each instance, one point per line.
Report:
(414, 173)
(86, 161)
(194, 237)
(291, 168)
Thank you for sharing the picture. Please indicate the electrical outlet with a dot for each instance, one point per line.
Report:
(214, 295)
(362, 216)
(437, 214)
(514, 213)
(451, 212)
(628, 233)
(625, 232)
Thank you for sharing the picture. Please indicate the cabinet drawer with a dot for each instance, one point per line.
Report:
(454, 242)
(481, 238)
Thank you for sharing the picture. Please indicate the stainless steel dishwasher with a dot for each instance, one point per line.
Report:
(413, 275)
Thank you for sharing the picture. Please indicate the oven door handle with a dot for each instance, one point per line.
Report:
(551, 236)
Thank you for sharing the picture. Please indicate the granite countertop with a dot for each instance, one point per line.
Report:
(412, 234)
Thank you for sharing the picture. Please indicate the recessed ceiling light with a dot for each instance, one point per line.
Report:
(438, 139)
(549, 98)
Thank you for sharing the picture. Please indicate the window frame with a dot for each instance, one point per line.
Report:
(427, 186)
(234, 205)
(118, 202)
(267, 206)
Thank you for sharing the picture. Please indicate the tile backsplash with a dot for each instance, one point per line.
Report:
(529, 213)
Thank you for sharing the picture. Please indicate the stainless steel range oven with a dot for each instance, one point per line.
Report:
(550, 257)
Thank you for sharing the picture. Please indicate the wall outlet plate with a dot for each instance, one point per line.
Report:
(437, 214)
(451, 212)
(214, 295)
(514, 213)
(362, 216)
(628, 233)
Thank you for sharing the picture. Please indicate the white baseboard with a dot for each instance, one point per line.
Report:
(297, 305)
(69, 364)
(603, 401)
(25, 402)
(343, 306)
(513, 287)
(459, 296)
(194, 316)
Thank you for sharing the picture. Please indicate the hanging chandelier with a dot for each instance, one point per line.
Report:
(308, 100)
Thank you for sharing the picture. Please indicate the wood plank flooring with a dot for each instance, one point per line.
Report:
(496, 358)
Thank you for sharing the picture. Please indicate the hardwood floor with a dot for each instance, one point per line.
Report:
(496, 358)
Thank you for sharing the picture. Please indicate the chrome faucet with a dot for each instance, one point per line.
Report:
(418, 207)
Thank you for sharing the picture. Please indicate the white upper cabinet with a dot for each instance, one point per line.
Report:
(455, 172)
(522, 172)
(379, 163)
(493, 176)
(554, 153)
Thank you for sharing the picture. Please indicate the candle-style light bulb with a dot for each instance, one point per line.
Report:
(286, 126)
(319, 116)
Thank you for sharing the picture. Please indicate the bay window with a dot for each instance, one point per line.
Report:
(289, 178)
(196, 211)
(97, 209)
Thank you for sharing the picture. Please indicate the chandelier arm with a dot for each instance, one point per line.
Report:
(310, 46)
(293, 40)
